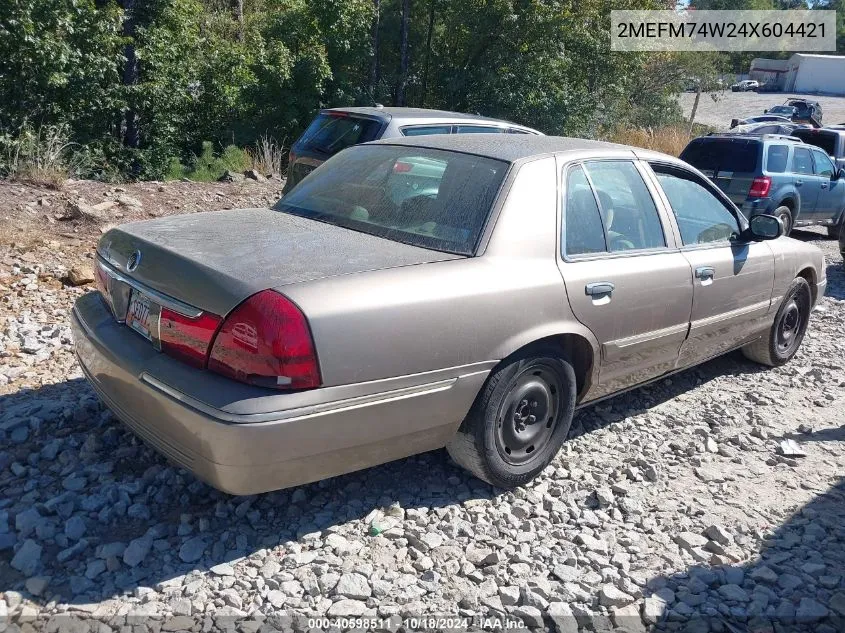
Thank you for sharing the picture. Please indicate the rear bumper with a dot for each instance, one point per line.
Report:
(251, 453)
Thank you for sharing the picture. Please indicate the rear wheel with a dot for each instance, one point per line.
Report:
(519, 420)
(784, 338)
(785, 216)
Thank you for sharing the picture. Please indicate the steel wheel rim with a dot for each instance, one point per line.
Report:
(789, 326)
(528, 416)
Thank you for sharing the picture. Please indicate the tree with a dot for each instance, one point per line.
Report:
(403, 53)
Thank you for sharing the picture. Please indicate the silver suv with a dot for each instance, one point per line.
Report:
(338, 128)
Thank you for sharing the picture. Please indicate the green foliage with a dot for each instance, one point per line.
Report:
(209, 166)
(203, 80)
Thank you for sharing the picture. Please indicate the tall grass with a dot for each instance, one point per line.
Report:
(42, 156)
(671, 139)
(268, 156)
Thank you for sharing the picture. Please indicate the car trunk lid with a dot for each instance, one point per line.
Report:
(215, 260)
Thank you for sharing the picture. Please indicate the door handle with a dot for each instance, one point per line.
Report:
(824, 185)
(705, 272)
(798, 183)
(599, 288)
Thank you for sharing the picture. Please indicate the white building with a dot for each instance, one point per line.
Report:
(802, 73)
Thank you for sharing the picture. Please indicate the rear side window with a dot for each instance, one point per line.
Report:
(823, 140)
(802, 162)
(628, 213)
(777, 157)
(479, 129)
(702, 217)
(424, 130)
(712, 155)
(583, 228)
(331, 132)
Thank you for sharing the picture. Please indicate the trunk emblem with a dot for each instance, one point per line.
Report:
(133, 261)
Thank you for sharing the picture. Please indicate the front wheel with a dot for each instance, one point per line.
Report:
(784, 338)
(519, 420)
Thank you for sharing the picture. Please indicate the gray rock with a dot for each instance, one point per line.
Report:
(27, 560)
(192, 549)
(354, 586)
(562, 617)
(718, 534)
(610, 596)
(531, 616)
(26, 521)
(733, 593)
(690, 540)
(37, 584)
(75, 528)
(509, 595)
(346, 608)
(809, 609)
(764, 574)
(137, 551)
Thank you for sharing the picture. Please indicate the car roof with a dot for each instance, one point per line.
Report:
(390, 112)
(508, 147)
(751, 137)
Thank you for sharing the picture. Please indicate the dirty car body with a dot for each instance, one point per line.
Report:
(395, 315)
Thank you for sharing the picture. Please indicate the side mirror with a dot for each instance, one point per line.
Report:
(764, 227)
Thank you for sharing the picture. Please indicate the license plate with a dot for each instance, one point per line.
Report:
(142, 315)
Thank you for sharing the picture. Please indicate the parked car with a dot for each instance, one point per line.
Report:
(773, 174)
(782, 110)
(831, 140)
(763, 118)
(745, 85)
(335, 129)
(758, 129)
(807, 111)
(340, 329)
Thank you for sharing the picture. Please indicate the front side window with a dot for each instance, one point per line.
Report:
(628, 212)
(702, 217)
(802, 162)
(584, 232)
(425, 130)
(429, 198)
(824, 166)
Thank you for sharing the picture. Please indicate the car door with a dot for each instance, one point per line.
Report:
(732, 280)
(807, 183)
(832, 191)
(625, 279)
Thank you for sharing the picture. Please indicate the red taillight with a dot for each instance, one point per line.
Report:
(185, 338)
(400, 168)
(266, 341)
(760, 187)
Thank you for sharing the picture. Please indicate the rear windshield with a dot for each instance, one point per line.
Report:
(823, 140)
(424, 197)
(720, 155)
(331, 132)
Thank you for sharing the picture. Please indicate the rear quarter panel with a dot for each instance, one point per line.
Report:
(791, 258)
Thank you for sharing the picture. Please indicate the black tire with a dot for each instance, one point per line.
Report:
(834, 231)
(785, 215)
(784, 338)
(519, 420)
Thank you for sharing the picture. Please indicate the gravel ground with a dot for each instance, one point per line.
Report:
(671, 508)
(738, 105)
